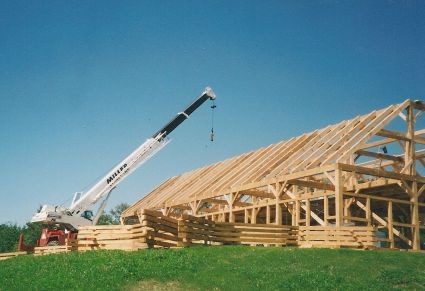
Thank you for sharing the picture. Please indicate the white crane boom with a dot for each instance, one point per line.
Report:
(76, 214)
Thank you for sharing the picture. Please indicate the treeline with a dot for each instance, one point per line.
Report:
(9, 232)
(9, 235)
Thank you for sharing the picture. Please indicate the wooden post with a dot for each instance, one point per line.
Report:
(294, 222)
(326, 210)
(410, 159)
(246, 218)
(278, 218)
(297, 211)
(278, 210)
(268, 214)
(409, 152)
(390, 224)
(339, 202)
(416, 239)
(230, 202)
(307, 212)
(347, 211)
(254, 215)
(368, 212)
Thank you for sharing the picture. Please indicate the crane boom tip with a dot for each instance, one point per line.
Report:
(209, 91)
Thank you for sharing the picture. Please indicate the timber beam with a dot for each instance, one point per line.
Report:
(225, 202)
(400, 136)
(312, 184)
(257, 193)
(380, 173)
(380, 156)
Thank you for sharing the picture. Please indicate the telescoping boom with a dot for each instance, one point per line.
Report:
(78, 214)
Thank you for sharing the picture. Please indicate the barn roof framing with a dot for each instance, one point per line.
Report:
(310, 161)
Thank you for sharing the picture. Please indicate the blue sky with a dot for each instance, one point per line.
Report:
(83, 83)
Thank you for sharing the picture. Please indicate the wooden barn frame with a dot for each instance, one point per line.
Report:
(365, 172)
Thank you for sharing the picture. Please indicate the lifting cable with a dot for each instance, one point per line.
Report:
(213, 107)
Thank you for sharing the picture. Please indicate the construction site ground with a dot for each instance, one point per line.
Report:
(216, 268)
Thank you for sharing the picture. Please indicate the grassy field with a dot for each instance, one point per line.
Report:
(217, 268)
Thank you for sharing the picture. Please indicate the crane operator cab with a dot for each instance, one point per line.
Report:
(87, 214)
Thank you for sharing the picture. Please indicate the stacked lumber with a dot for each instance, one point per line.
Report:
(254, 234)
(5, 256)
(70, 246)
(112, 237)
(195, 230)
(331, 237)
(161, 230)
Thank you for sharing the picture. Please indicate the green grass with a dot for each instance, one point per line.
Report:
(217, 268)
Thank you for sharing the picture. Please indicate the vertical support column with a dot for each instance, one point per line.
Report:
(352, 180)
(278, 218)
(390, 224)
(410, 159)
(278, 212)
(268, 214)
(326, 210)
(409, 152)
(254, 215)
(416, 239)
(339, 202)
(307, 212)
(297, 210)
(246, 217)
(347, 211)
(368, 212)
(194, 207)
(293, 214)
(230, 202)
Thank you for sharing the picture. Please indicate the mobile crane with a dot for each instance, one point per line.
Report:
(78, 213)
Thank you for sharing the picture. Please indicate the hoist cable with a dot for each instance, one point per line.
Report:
(213, 106)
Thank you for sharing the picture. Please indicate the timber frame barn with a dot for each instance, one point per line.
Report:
(366, 172)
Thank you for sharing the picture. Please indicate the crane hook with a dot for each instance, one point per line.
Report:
(213, 107)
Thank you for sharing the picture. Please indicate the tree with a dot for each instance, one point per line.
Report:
(113, 217)
(9, 234)
(117, 211)
(32, 232)
(104, 219)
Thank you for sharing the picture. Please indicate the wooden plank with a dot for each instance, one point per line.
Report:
(154, 220)
(5, 256)
(244, 234)
(353, 218)
(160, 227)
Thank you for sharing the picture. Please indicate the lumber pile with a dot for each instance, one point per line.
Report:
(70, 246)
(160, 230)
(155, 230)
(112, 237)
(198, 230)
(331, 237)
(253, 234)
(5, 256)
(195, 230)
